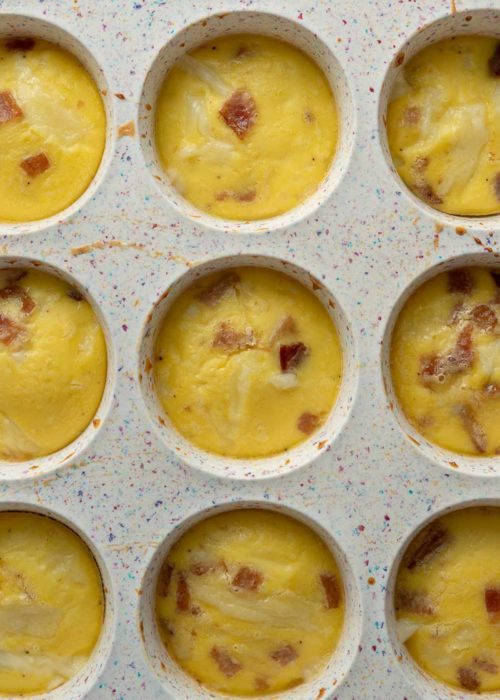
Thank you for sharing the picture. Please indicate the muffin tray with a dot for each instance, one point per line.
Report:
(366, 481)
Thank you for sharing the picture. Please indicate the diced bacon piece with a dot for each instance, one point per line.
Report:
(420, 163)
(484, 317)
(436, 368)
(468, 678)
(9, 109)
(496, 277)
(245, 196)
(75, 295)
(292, 355)
(286, 326)
(225, 662)
(486, 665)
(14, 290)
(35, 165)
(9, 330)
(476, 433)
(414, 602)
(428, 194)
(249, 579)
(494, 62)
(308, 422)
(183, 596)
(412, 116)
(496, 186)
(164, 580)
(284, 655)
(227, 338)
(20, 43)
(492, 602)
(213, 294)
(332, 590)
(239, 112)
(460, 281)
(433, 539)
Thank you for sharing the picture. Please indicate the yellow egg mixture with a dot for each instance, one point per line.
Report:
(445, 360)
(246, 127)
(52, 129)
(250, 602)
(443, 125)
(447, 599)
(247, 363)
(51, 604)
(53, 364)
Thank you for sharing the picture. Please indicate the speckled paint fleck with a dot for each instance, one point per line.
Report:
(365, 238)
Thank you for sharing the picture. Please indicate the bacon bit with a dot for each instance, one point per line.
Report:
(286, 326)
(14, 290)
(496, 277)
(411, 601)
(427, 193)
(19, 43)
(292, 355)
(239, 112)
(475, 431)
(308, 422)
(213, 294)
(35, 165)
(75, 294)
(412, 116)
(484, 317)
(435, 368)
(460, 281)
(9, 109)
(486, 665)
(332, 590)
(434, 538)
(9, 330)
(227, 338)
(420, 164)
(247, 578)
(468, 678)
(496, 186)
(492, 602)
(494, 62)
(183, 596)
(247, 196)
(225, 662)
(456, 314)
(164, 580)
(284, 655)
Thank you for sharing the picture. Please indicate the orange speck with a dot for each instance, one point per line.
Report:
(460, 230)
(120, 95)
(321, 444)
(321, 693)
(96, 422)
(453, 464)
(371, 581)
(148, 365)
(413, 440)
(127, 129)
(148, 107)
(399, 59)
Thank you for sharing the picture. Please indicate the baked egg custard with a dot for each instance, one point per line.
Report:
(247, 363)
(250, 602)
(53, 364)
(445, 360)
(52, 129)
(443, 125)
(246, 127)
(51, 604)
(447, 599)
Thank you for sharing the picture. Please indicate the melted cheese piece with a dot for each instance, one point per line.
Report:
(252, 616)
(458, 410)
(63, 118)
(284, 155)
(217, 363)
(441, 600)
(52, 372)
(51, 604)
(443, 126)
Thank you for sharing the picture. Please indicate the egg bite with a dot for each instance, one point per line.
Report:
(246, 127)
(53, 364)
(445, 360)
(247, 363)
(443, 125)
(51, 604)
(250, 602)
(447, 599)
(52, 129)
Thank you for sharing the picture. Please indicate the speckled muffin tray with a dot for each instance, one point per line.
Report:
(130, 485)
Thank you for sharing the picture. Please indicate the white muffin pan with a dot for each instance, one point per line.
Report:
(130, 485)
